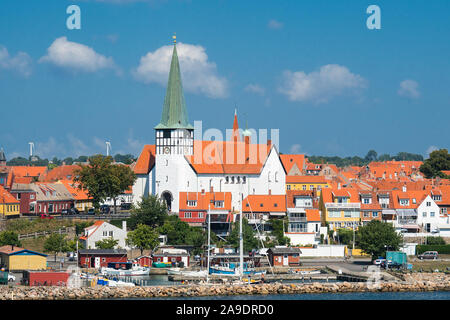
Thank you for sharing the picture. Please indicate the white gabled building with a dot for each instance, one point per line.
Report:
(101, 230)
(179, 163)
(428, 215)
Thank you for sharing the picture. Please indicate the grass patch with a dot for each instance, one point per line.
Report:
(24, 226)
(429, 266)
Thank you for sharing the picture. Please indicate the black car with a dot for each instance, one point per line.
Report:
(105, 209)
(74, 211)
(390, 265)
(65, 211)
(125, 206)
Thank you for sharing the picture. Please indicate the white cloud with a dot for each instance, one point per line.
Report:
(275, 25)
(20, 63)
(295, 149)
(320, 86)
(199, 75)
(255, 88)
(431, 149)
(409, 89)
(76, 57)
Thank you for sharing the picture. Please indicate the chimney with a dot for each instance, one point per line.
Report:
(247, 139)
(269, 142)
(404, 188)
(124, 225)
(270, 192)
(211, 189)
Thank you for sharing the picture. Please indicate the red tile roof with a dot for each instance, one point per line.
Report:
(289, 160)
(205, 201)
(64, 172)
(6, 197)
(264, 203)
(224, 157)
(146, 160)
(312, 215)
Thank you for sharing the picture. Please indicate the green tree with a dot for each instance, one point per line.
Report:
(103, 180)
(345, 236)
(9, 238)
(72, 245)
(432, 167)
(435, 241)
(80, 226)
(150, 211)
(377, 237)
(55, 243)
(371, 156)
(143, 237)
(107, 243)
(249, 239)
(278, 228)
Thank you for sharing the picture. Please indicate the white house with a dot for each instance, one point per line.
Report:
(101, 230)
(428, 215)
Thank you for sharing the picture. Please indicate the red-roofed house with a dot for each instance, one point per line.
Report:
(143, 169)
(101, 230)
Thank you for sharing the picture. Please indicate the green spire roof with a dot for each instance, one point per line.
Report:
(174, 114)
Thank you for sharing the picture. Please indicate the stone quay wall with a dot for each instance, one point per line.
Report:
(410, 282)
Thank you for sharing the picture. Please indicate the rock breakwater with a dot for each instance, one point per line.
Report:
(411, 282)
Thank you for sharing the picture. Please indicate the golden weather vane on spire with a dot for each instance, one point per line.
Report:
(174, 37)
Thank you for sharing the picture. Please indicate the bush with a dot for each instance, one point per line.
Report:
(435, 241)
(441, 249)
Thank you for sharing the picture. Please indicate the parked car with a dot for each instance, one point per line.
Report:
(378, 261)
(105, 209)
(74, 211)
(429, 255)
(91, 211)
(65, 211)
(390, 264)
(46, 216)
(125, 206)
(11, 277)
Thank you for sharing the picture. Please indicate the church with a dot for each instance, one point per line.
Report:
(183, 171)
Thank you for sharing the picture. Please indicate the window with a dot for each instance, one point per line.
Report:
(31, 196)
(103, 259)
(404, 202)
(375, 214)
(218, 204)
(192, 203)
(238, 179)
(244, 179)
(304, 187)
(366, 200)
(18, 196)
(289, 187)
(110, 233)
(232, 179)
(105, 233)
(200, 214)
(428, 204)
(424, 214)
(311, 187)
(431, 214)
(188, 215)
(227, 179)
(366, 214)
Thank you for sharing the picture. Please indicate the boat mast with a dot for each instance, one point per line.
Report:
(241, 244)
(209, 240)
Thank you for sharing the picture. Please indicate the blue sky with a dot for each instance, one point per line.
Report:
(309, 68)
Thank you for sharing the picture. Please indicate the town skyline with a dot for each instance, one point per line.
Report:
(388, 79)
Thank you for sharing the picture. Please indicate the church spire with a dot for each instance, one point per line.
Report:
(236, 136)
(174, 115)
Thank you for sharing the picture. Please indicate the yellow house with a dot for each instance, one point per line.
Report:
(17, 259)
(9, 205)
(342, 208)
(307, 183)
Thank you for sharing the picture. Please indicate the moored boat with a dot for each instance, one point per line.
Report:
(124, 269)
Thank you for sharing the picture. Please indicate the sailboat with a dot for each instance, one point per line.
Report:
(231, 269)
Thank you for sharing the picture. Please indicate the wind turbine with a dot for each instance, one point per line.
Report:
(108, 148)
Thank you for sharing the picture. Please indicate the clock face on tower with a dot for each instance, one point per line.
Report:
(166, 150)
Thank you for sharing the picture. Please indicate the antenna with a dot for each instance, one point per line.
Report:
(108, 148)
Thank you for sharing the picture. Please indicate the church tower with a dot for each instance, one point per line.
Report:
(174, 138)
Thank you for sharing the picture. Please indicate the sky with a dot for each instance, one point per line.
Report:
(312, 69)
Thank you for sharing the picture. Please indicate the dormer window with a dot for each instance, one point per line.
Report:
(218, 204)
(404, 202)
(437, 197)
(414, 200)
(227, 179)
(192, 203)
